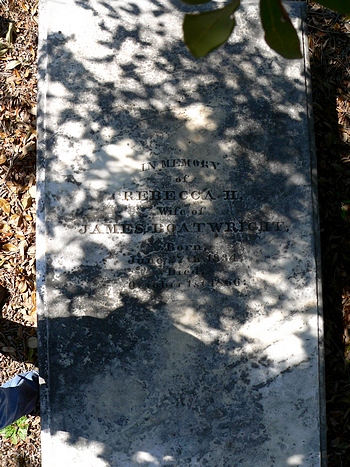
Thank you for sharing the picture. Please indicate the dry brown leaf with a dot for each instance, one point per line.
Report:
(32, 191)
(5, 206)
(12, 64)
(9, 247)
(9, 349)
(32, 51)
(26, 202)
(24, 6)
(4, 227)
(18, 78)
(31, 250)
(16, 220)
(21, 247)
(28, 148)
(22, 286)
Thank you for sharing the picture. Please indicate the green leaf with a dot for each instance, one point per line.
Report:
(17, 430)
(30, 354)
(280, 34)
(14, 438)
(23, 421)
(8, 431)
(340, 6)
(204, 32)
(22, 433)
(195, 2)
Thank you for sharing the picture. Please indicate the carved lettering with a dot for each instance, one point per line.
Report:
(235, 226)
(181, 247)
(165, 214)
(170, 195)
(230, 195)
(183, 272)
(165, 211)
(175, 163)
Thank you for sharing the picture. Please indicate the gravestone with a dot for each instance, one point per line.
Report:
(178, 281)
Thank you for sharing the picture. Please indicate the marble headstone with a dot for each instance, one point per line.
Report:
(178, 278)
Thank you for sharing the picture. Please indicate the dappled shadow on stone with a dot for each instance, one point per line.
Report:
(181, 286)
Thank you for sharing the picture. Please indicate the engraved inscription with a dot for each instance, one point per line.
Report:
(197, 232)
(185, 227)
(173, 163)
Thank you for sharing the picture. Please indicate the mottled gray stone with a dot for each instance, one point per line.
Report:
(179, 303)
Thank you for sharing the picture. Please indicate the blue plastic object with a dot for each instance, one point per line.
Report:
(18, 397)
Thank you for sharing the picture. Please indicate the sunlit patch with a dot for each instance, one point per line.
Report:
(197, 116)
(81, 451)
(265, 332)
(142, 457)
(297, 460)
(120, 154)
(192, 322)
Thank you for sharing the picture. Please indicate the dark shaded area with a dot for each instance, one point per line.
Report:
(13, 341)
(3, 296)
(4, 25)
(186, 409)
(329, 78)
(13, 336)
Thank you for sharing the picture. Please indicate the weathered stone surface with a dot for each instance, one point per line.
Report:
(179, 309)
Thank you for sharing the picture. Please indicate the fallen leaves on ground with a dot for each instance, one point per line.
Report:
(329, 39)
(18, 70)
